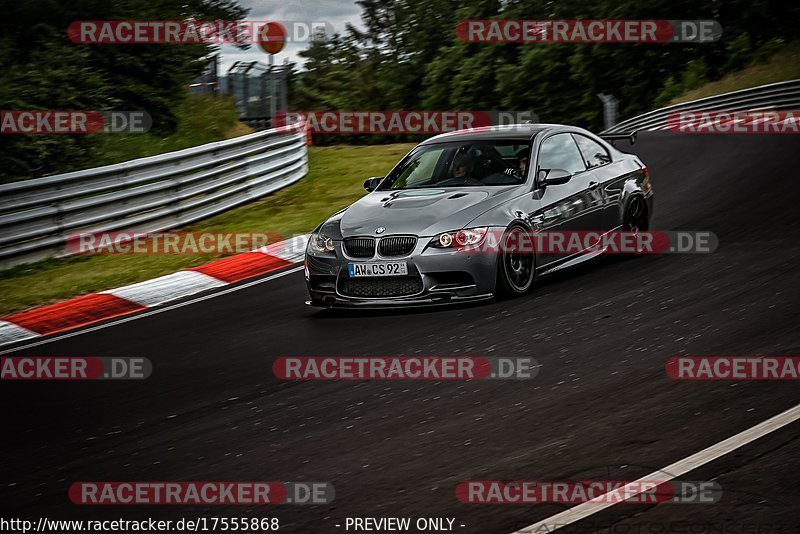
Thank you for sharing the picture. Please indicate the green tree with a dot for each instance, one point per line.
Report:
(407, 56)
(41, 69)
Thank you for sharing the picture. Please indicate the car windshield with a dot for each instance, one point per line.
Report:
(463, 163)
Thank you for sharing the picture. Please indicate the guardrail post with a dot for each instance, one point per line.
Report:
(609, 109)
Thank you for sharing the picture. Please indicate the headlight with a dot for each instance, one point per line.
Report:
(321, 243)
(469, 237)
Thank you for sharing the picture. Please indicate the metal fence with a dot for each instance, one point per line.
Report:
(209, 81)
(258, 90)
(148, 194)
(775, 96)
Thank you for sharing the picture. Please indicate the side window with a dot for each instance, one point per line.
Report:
(560, 152)
(594, 153)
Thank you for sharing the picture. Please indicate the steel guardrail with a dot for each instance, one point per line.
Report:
(149, 194)
(772, 97)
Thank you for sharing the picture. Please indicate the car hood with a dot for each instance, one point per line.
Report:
(423, 212)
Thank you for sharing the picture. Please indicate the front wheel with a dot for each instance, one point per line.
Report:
(516, 263)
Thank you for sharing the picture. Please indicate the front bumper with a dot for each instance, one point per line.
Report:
(435, 277)
(394, 302)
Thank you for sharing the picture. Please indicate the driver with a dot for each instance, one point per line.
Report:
(463, 166)
(522, 161)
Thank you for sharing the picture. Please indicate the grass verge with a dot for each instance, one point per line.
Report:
(335, 179)
(782, 66)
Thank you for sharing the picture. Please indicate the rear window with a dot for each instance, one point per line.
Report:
(594, 154)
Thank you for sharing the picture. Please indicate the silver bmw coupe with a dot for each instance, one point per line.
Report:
(416, 238)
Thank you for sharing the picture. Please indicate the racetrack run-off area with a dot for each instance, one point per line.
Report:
(601, 406)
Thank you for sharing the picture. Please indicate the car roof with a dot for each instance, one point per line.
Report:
(486, 133)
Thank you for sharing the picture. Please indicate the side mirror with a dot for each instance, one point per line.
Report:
(553, 176)
(372, 183)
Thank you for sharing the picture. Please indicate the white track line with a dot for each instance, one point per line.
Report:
(677, 469)
(153, 312)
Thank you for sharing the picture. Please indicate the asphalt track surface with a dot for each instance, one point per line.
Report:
(601, 406)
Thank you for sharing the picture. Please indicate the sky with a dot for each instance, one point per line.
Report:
(335, 13)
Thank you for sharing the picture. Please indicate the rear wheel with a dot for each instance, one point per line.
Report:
(635, 219)
(515, 263)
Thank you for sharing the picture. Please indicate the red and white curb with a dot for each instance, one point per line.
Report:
(125, 300)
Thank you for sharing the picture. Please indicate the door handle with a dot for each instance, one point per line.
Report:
(593, 185)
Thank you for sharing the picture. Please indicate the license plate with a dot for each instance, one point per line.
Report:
(388, 268)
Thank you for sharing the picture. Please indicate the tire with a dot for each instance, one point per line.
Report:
(516, 271)
(635, 219)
